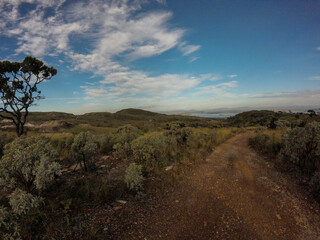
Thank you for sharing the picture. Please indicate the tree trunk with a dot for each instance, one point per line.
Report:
(20, 129)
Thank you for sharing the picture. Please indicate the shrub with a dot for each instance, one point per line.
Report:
(63, 147)
(4, 139)
(27, 168)
(29, 164)
(179, 132)
(134, 178)
(9, 227)
(106, 143)
(150, 150)
(267, 142)
(126, 134)
(301, 146)
(22, 202)
(84, 149)
(123, 138)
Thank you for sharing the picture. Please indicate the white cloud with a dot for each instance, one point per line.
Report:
(232, 76)
(318, 48)
(193, 59)
(218, 90)
(210, 77)
(187, 49)
(307, 93)
(115, 32)
(315, 78)
(95, 92)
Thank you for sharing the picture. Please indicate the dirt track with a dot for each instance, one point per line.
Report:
(234, 195)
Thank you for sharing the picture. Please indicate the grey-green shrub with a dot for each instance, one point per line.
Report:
(9, 226)
(150, 150)
(27, 168)
(123, 138)
(301, 146)
(84, 149)
(4, 139)
(179, 131)
(29, 164)
(63, 147)
(134, 178)
(22, 202)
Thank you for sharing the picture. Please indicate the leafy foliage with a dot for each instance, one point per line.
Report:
(19, 88)
(4, 139)
(134, 178)
(84, 148)
(268, 143)
(22, 202)
(9, 227)
(123, 138)
(27, 168)
(29, 164)
(301, 146)
(150, 150)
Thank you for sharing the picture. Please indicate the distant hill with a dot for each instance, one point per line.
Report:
(137, 112)
(49, 116)
(137, 117)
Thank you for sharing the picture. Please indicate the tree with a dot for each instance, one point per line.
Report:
(19, 88)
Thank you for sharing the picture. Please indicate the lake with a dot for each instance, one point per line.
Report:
(214, 115)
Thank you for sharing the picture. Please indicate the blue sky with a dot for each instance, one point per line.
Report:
(168, 55)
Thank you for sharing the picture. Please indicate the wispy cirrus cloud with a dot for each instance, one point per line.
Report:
(232, 76)
(187, 49)
(315, 78)
(306, 93)
(218, 90)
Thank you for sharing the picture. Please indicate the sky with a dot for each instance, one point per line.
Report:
(168, 55)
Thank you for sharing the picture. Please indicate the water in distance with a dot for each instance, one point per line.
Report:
(214, 115)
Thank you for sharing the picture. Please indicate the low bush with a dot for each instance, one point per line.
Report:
(63, 147)
(266, 142)
(27, 168)
(84, 149)
(105, 143)
(134, 178)
(301, 147)
(123, 138)
(4, 139)
(150, 151)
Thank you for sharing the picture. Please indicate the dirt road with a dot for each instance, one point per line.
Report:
(234, 195)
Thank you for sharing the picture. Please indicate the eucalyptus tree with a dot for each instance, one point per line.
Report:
(19, 88)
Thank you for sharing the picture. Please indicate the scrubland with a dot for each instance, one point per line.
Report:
(55, 176)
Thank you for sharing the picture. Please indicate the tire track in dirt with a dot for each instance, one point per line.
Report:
(234, 195)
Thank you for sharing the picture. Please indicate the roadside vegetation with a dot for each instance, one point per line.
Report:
(53, 178)
(50, 179)
(295, 150)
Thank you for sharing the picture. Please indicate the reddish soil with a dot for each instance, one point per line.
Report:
(234, 195)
